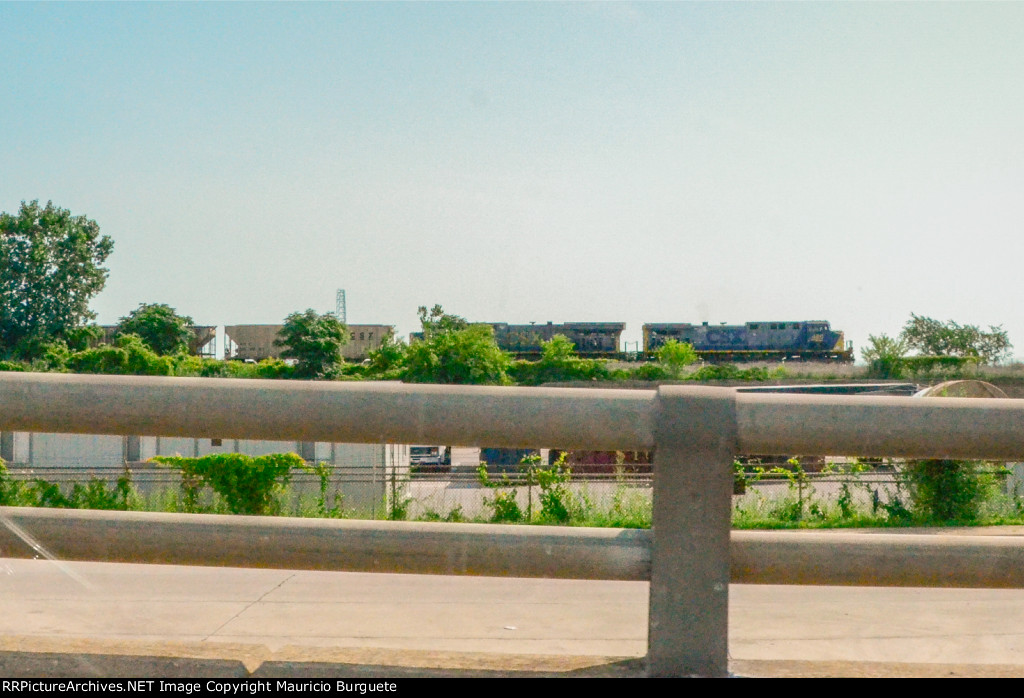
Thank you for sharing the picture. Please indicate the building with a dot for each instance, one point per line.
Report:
(366, 477)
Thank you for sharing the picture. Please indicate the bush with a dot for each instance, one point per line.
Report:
(675, 356)
(467, 356)
(246, 484)
(650, 371)
(129, 355)
(503, 503)
(558, 363)
(948, 491)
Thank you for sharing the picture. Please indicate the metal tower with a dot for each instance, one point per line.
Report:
(339, 306)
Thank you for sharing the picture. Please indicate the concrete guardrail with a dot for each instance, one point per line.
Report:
(695, 432)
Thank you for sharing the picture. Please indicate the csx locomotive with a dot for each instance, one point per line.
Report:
(754, 341)
(812, 340)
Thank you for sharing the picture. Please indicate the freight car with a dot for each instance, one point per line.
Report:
(754, 341)
(592, 339)
(256, 342)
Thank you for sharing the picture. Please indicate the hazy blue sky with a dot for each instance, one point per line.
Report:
(636, 162)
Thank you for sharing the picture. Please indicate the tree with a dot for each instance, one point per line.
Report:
(676, 355)
(314, 341)
(388, 360)
(453, 351)
(885, 356)
(50, 268)
(558, 362)
(159, 326)
(559, 349)
(933, 338)
(84, 336)
(436, 321)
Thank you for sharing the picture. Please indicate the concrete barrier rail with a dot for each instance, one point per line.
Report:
(868, 558)
(695, 432)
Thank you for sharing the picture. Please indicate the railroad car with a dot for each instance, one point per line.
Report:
(754, 341)
(592, 339)
(256, 342)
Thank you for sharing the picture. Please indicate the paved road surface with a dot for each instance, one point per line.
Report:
(91, 618)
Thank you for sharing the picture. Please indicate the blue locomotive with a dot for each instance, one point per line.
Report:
(754, 341)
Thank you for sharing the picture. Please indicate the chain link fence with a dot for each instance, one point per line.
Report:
(598, 494)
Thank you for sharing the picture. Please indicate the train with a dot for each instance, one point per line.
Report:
(809, 340)
(592, 339)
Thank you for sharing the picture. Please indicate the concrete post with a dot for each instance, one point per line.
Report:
(696, 442)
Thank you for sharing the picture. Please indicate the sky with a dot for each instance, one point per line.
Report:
(518, 162)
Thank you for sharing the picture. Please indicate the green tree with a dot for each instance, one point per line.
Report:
(559, 349)
(454, 351)
(159, 326)
(931, 337)
(675, 356)
(388, 360)
(83, 337)
(884, 356)
(314, 341)
(50, 268)
(436, 321)
(558, 362)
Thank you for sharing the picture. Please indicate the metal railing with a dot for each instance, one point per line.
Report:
(695, 432)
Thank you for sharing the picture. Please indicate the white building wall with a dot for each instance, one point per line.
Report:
(264, 448)
(174, 446)
(75, 450)
(366, 477)
(21, 445)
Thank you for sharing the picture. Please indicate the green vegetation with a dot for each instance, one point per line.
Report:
(559, 363)
(452, 351)
(314, 341)
(50, 268)
(885, 356)
(933, 338)
(675, 356)
(246, 484)
(840, 495)
(160, 327)
(559, 504)
(951, 491)
(94, 494)
(945, 350)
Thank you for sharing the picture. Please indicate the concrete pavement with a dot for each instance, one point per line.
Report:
(88, 619)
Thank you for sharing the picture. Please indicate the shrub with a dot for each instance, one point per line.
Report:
(129, 355)
(558, 363)
(948, 491)
(246, 484)
(503, 503)
(675, 356)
